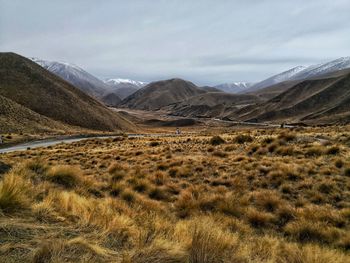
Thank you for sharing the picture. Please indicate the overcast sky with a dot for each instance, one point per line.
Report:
(205, 41)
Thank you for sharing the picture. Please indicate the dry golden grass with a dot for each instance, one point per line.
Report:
(256, 196)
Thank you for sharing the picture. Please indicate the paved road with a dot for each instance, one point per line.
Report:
(42, 143)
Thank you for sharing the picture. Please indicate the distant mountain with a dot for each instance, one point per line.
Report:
(114, 82)
(301, 73)
(274, 90)
(161, 93)
(124, 87)
(312, 101)
(284, 76)
(321, 69)
(37, 89)
(235, 87)
(76, 76)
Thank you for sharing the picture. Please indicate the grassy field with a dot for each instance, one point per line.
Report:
(269, 195)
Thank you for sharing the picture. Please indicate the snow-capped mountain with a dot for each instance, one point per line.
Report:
(76, 76)
(124, 87)
(301, 72)
(125, 81)
(317, 70)
(284, 76)
(235, 87)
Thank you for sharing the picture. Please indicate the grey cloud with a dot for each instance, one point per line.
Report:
(206, 41)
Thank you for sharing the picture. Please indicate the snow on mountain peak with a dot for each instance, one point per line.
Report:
(320, 69)
(125, 81)
(235, 87)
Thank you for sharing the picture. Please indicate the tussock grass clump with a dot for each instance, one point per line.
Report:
(314, 151)
(38, 166)
(259, 219)
(141, 186)
(339, 163)
(333, 150)
(74, 250)
(128, 196)
(267, 200)
(160, 251)
(154, 143)
(306, 231)
(216, 140)
(210, 243)
(67, 176)
(4, 167)
(157, 193)
(14, 193)
(287, 136)
(220, 154)
(116, 189)
(117, 171)
(243, 138)
(347, 171)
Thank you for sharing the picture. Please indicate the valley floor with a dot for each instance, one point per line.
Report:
(248, 195)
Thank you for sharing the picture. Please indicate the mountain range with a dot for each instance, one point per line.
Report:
(110, 91)
(160, 94)
(302, 72)
(322, 100)
(76, 76)
(124, 87)
(58, 96)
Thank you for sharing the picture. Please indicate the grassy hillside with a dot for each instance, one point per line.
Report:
(35, 88)
(212, 104)
(250, 196)
(274, 90)
(311, 101)
(162, 93)
(16, 118)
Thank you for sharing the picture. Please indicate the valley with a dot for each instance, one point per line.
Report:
(133, 172)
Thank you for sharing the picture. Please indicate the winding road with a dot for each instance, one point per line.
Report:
(55, 141)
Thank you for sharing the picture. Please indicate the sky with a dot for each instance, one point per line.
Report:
(205, 41)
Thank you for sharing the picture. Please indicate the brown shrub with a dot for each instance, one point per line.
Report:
(216, 140)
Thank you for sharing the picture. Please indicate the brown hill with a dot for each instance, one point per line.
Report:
(37, 89)
(274, 90)
(160, 94)
(317, 101)
(213, 104)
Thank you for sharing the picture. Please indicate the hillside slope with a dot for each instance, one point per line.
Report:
(303, 73)
(213, 104)
(16, 118)
(318, 101)
(39, 90)
(274, 90)
(160, 94)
